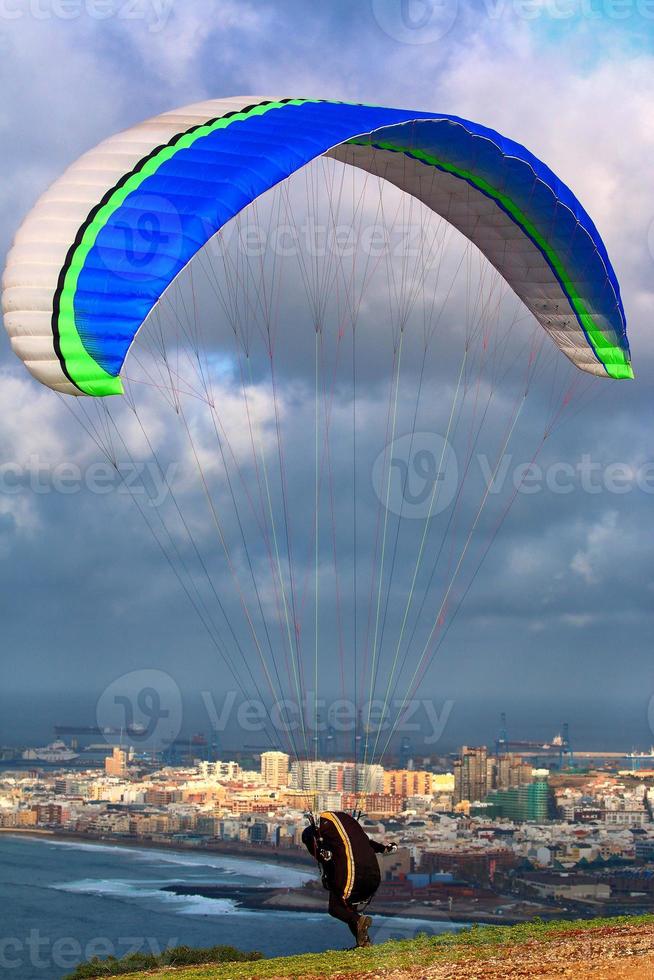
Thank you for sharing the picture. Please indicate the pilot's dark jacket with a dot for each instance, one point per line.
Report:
(352, 871)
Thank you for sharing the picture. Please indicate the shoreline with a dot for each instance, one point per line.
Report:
(314, 901)
(225, 848)
(260, 898)
(266, 898)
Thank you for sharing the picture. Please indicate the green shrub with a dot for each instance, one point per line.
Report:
(177, 956)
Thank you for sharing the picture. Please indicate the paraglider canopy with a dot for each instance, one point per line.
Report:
(347, 421)
(73, 301)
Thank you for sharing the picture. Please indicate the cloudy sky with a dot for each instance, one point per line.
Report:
(558, 623)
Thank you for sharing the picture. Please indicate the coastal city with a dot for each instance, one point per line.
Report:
(487, 835)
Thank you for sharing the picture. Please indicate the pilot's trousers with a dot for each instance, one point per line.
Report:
(340, 909)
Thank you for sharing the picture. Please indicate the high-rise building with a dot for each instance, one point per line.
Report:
(274, 769)
(49, 813)
(336, 777)
(312, 777)
(221, 771)
(407, 782)
(510, 770)
(116, 763)
(521, 803)
(471, 774)
(370, 778)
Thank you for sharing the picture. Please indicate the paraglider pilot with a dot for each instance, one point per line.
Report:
(349, 867)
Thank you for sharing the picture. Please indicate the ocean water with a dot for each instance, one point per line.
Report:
(63, 902)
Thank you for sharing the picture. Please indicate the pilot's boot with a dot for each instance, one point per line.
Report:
(364, 923)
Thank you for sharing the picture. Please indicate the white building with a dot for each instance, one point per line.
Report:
(274, 769)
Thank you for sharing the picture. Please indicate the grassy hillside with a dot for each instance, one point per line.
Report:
(477, 944)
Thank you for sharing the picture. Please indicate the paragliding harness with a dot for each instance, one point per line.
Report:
(360, 906)
(323, 856)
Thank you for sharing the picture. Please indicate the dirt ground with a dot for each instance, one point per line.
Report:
(606, 954)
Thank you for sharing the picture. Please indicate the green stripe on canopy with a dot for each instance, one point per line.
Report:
(610, 355)
(84, 370)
